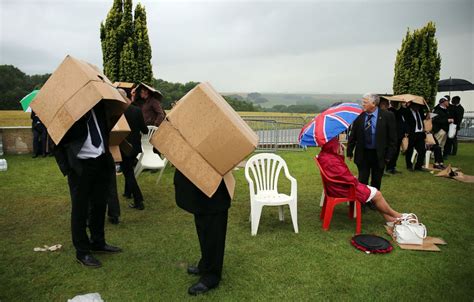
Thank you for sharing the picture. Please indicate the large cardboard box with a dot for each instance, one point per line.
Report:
(74, 88)
(205, 139)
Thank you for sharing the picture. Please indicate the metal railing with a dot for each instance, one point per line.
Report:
(276, 132)
(466, 130)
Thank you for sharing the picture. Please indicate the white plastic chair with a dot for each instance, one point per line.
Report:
(427, 157)
(148, 159)
(263, 186)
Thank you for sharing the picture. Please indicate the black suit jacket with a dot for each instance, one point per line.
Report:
(193, 200)
(70, 145)
(385, 138)
(135, 120)
(411, 121)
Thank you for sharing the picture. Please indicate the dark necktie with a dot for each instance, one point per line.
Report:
(94, 132)
(418, 120)
(368, 130)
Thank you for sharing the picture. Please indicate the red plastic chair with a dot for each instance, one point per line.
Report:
(330, 202)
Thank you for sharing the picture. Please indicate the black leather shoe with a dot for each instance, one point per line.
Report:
(139, 206)
(197, 289)
(88, 261)
(114, 220)
(193, 270)
(106, 249)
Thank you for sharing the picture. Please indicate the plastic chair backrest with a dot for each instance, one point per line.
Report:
(146, 138)
(326, 179)
(265, 168)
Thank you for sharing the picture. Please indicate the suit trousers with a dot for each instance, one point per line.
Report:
(211, 230)
(87, 191)
(393, 162)
(39, 141)
(417, 142)
(131, 184)
(113, 205)
(370, 168)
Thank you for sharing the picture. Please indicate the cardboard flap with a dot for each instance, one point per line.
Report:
(181, 154)
(229, 181)
(119, 132)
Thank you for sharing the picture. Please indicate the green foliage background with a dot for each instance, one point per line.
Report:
(418, 64)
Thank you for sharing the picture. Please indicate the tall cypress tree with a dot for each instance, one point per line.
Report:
(110, 41)
(142, 46)
(418, 64)
(126, 47)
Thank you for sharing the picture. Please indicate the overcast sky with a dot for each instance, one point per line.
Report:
(243, 46)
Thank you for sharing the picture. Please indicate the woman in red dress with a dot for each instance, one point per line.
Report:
(331, 160)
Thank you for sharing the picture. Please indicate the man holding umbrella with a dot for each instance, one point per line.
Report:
(373, 136)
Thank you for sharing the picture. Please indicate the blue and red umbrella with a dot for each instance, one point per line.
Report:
(329, 124)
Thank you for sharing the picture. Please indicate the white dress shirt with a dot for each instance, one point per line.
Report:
(88, 150)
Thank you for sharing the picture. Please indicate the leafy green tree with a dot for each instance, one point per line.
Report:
(15, 84)
(112, 41)
(418, 64)
(125, 44)
(142, 46)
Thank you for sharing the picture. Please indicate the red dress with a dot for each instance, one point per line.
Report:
(334, 166)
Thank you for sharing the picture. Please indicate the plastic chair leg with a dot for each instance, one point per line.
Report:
(255, 212)
(323, 210)
(328, 215)
(138, 170)
(427, 159)
(321, 202)
(161, 173)
(294, 216)
(358, 217)
(280, 213)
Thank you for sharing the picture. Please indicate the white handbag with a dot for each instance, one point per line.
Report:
(452, 130)
(410, 231)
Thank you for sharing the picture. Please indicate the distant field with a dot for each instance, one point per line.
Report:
(10, 118)
(14, 118)
(322, 100)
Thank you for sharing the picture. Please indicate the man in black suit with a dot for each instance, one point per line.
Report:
(456, 111)
(398, 110)
(210, 218)
(373, 136)
(414, 117)
(83, 156)
(135, 120)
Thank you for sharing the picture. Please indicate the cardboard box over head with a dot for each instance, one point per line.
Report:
(72, 90)
(119, 132)
(205, 139)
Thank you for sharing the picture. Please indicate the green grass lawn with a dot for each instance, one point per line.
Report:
(277, 264)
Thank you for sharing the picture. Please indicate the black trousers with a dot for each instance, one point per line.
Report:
(451, 146)
(131, 184)
(211, 230)
(370, 168)
(39, 140)
(393, 162)
(89, 190)
(417, 142)
(113, 205)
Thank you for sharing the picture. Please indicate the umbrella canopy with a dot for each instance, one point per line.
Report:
(329, 124)
(406, 98)
(25, 102)
(454, 85)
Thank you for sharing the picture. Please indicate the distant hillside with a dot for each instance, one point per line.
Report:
(322, 100)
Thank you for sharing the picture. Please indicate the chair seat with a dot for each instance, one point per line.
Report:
(272, 198)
